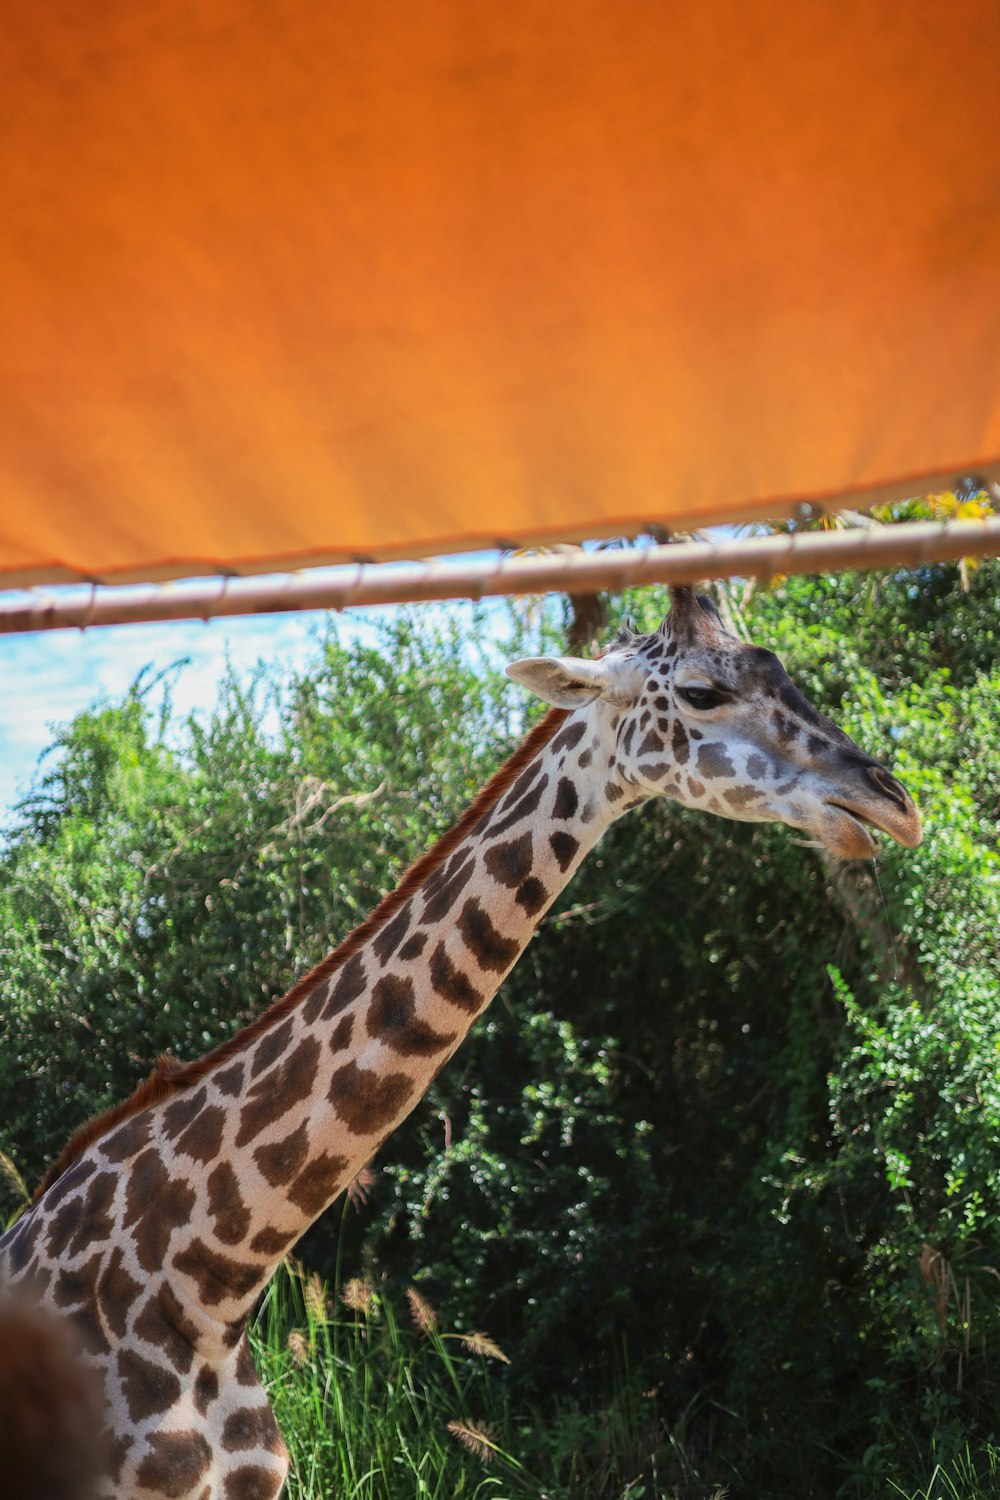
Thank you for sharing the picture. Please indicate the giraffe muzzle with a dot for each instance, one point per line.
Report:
(880, 802)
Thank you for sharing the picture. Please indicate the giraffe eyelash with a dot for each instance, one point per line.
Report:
(696, 696)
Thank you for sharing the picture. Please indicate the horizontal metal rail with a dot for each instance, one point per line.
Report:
(368, 584)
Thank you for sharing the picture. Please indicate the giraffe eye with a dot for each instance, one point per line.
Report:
(701, 697)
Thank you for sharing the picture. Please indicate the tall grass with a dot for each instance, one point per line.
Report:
(380, 1404)
(373, 1408)
(970, 1476)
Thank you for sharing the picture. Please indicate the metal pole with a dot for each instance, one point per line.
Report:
(906, 545)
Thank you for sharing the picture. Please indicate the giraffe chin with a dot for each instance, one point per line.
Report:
(845, 835)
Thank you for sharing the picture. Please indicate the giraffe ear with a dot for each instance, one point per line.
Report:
(567, 681)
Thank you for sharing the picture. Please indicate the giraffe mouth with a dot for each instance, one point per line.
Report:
(891, 811)
(853, 833)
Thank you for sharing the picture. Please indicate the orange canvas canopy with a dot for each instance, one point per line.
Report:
(311, 280)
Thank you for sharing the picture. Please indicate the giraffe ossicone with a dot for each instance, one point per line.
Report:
(165, 1218)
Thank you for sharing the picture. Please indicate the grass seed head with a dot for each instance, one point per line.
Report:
(359, 1188)
(476, 1437)
(315, 1298)
(481, 1343)
(423, 1314)
(357, 1295)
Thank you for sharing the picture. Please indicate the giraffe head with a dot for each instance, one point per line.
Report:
(692, 713)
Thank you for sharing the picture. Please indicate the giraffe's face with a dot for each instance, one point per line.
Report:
(696, 715)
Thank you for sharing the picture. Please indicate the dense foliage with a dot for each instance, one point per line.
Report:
(728, 1136)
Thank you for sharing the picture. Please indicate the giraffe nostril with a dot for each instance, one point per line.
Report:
(890, 787)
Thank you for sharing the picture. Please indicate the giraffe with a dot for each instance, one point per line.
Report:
(164, 1219)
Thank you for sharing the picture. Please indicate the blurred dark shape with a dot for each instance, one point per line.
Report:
(586, 618)
(52, 1413)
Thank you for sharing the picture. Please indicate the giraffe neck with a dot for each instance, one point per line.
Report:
(262, 1145)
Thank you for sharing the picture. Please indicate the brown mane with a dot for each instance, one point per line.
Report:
(168, 1076)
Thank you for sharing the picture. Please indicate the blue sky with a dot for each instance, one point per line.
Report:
(49, 677)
